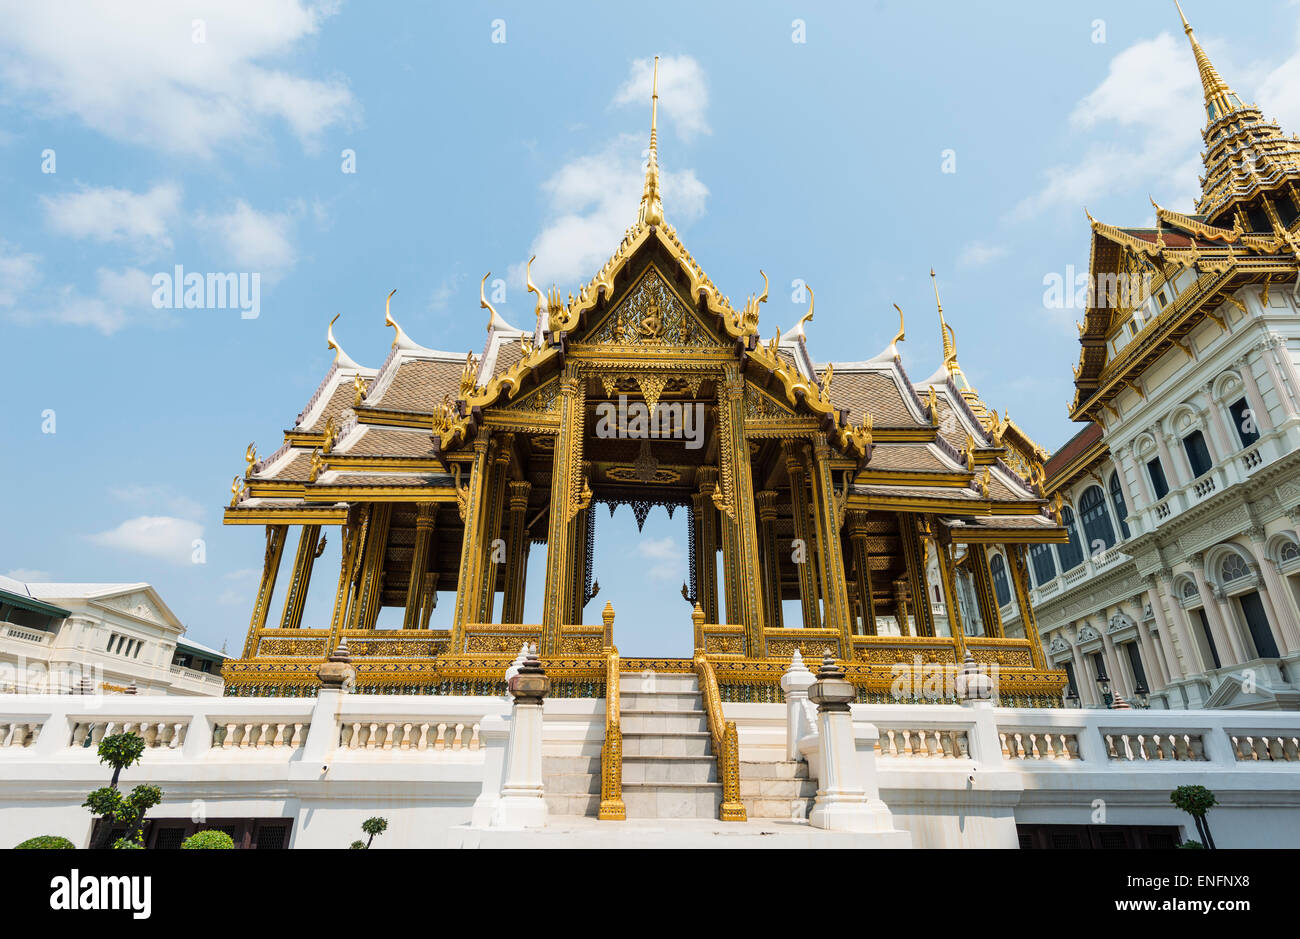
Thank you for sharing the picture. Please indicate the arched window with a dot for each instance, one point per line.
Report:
(1096, 520)
(1233, 568)
(1117, 500)
(1044, 563)
(998, 568)
(1189, 590)
(1290, 551)
(1071, 554)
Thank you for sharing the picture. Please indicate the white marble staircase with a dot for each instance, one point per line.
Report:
(777, 790)
(668, 765)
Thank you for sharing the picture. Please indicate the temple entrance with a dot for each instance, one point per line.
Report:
(643, 568)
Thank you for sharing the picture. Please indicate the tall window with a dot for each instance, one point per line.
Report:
(1071, 683)
(1157, 474)
(1096, 521)
(1252, 608)
(1209, 637)
(1243, 418)
(1117, 500)
(1198, 454)
(1071, 553)
(998, 568)
(1135, 663)
(1044, 563)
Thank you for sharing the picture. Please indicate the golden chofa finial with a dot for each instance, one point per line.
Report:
(341, 358)
(495, 321)
(798, 332)
(399, 338)
(540, 309)
(949, 340)
(900, 337)
(250, 457)
(652, 208)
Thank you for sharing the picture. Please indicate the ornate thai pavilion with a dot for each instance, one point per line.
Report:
(837, 484)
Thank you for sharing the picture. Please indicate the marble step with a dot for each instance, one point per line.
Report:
(638, 682)
(777, 790)
(672, 800)
(660, 701)
(694, 743)
(677, 769)
(582, 805)
(659, 721)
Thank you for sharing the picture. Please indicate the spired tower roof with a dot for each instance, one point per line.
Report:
(1244, 153)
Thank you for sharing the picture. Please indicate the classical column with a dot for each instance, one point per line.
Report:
(425, 513)
(296, 597)
(901, 605)
(428, 598)
(494, 547)
(739, 493)
(862, 570)
(1173, 472)
(837, 612)
(914, 558)
(512, 605)
(1172, 665)
(771, 560)
(1285, 629)
(1085, 688)
(1228, 442)
(943, 551)
(1139, 473)
(370, 592)
(1118, 676)
(1225, 636)
(566, 499)
(474, 516)
(985, 595)
(1121, 473)
(1282, 368)
(354, 542)
(1019, 569)
(805, 553)
(1256, 400)
(706, 544)
(275, 535)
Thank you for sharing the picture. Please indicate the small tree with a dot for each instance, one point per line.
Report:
(1196, 801)
(209, 839)
(121, 751)
(46, 842)
(371, 826)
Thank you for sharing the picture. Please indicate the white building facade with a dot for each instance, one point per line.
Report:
(66, 638)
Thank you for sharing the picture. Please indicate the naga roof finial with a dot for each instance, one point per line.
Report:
(399, 338)
(341, 358)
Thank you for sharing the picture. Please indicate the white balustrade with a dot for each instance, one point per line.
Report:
(421, 735)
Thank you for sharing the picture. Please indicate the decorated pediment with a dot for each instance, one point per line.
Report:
(137, 604)
(650, 313)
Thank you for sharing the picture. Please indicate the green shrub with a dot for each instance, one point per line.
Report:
(358, 845)
(1191, 844)
(128, 843)
(45, 842)
(211, 838)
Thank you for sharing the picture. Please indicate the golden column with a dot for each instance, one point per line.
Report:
(794, 467)
(862, 570)
(943, 552)
(918, 590)
(906, 626)
(365, 609)
(771, 559)
(354, 542)
(566, 499)
(425, 515)
(494, 548)
(706, 544)
(471, 546)
(984, 592)
(303, 561)
(578, 567)
(1020, 580)
(512, 606)
(827, 515)
(275, 535)
(738, 494)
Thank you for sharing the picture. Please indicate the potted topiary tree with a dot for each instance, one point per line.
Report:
(121, 751)
(371, 826)
(1196, 801)
(209, 839)
(46, 842)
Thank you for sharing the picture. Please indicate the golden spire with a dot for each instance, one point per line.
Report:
(945, 331)
(652, 207)
(1219, 98)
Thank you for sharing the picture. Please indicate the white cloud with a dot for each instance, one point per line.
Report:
(159, 497)
(134, 72)
(254, 241)
(239, 583)
(1279, 93)
(683, 94)
(980, 253)
(593, 199)
(116, 215)
(18, 273)
(157, 536)
(121, 297)
(1144, 123)
(666, 558)
(28, 575)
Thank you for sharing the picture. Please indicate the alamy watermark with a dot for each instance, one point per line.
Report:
(670, 420)
(1079, 290)
(177, 290)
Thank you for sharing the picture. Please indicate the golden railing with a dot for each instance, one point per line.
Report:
(611, 754)
(726, 744)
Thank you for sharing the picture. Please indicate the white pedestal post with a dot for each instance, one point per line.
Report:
(523, 796)
(795, 683)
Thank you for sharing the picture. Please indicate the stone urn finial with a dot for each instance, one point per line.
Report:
(1117, 702)
(831, 691)
(337, 671)
(131, 688)
(972, 683)
(529, 684)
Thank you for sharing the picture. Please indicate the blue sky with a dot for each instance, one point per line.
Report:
(821, 160)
